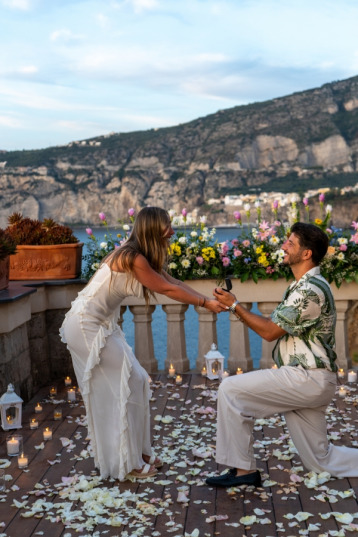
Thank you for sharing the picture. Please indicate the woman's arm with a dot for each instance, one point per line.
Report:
(182, 284)
(157, 283)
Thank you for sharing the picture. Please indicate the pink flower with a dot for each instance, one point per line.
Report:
(225, 261)
(343, 247)
(355, 225)
(234, 242)
(199, 260)
(305, 202)
(184, 212)
(237, 253)
(277, 223)
(89, 231)
(131, 211)
(275, 205)
(264, 225)
(224, 248)
(328, 230)
(246, 243)
(237, 215)
(354, 238)
(321, 198)
(102, 216)
(270, 270)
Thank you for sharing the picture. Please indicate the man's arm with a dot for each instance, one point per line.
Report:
(261, 325)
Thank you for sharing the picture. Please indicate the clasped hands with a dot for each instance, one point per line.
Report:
(223, 300)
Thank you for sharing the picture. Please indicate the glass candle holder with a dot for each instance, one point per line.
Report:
(57, 414)
(34, 423)
(14, 445)
(340, 373)
(22, 461)
(68, 381)
(171, 371)
(38, 408)
(178, 379)
(53, 391)
(47, 433)
(71, 395)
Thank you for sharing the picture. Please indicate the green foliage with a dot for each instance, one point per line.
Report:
(26, 231)
(7, 244)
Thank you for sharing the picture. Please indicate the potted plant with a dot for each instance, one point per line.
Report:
(45, 250)
(7, 248)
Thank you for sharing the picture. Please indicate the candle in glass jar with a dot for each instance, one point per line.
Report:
(274, 367)
(178, 379)
(352, 376)
(71, 395)
(342, 392)
(239, 371)
(340, 373)
(68, 381)
(47, 433)
(53, 390)
(34, 423)
(57, 414)
(225, 374)
(22, 461)
(13, 446)
(38, 408)
(203, 371)
(171, 371)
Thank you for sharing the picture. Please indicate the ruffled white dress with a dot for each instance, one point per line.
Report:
(114, 385)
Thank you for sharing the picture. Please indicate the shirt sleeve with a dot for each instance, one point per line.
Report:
(298, 312)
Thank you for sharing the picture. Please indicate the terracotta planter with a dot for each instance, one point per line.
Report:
(4, 273)
(54, 262)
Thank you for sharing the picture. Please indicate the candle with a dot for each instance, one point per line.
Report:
(9, 420)
(341, 373)
(178, 379)
(38, 408)
(71, 395)
(34, 423)
(12, 446)
(171, 371)
(53, 391)
(47, 433)
(352, 376)
(225, 374)
(150, 380)
(274, 367)
(22, 461)
(57, 414)
(68, 381)
(239, 371)
(342, 392)
(203, 371)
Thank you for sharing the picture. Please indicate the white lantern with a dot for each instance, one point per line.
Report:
(11, 409)
(214, 361)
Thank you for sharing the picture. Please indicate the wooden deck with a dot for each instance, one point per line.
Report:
(53, 498)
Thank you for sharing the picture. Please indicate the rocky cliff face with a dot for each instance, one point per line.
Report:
(309, 134)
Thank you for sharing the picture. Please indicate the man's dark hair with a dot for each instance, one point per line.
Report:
(312, 238)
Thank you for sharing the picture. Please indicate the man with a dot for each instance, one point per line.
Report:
(305, 381)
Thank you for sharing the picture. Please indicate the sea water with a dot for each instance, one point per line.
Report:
(191, 323)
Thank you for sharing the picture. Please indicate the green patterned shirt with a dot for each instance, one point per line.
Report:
(308, 315)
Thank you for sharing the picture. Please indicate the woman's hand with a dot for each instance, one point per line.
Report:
(225, 298)
(214, 306)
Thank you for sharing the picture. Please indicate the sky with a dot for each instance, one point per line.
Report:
(76, 69)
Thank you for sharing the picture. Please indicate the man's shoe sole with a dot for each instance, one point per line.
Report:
(231, 480)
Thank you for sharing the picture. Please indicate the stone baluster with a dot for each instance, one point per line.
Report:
(343, 358)
(207, 334)
(239, 351)
(176, 344)
(143, 337)
(266, 308)
(120, 318)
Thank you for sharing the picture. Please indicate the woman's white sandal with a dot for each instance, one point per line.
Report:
(147, 471)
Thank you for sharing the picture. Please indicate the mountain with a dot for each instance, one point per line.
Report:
(308, 139)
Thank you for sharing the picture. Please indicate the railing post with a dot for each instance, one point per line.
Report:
(266, 308)
(143, 337)
(207, 334)
(176, 344)
(343, 358)
(239, 352)
(120, 318)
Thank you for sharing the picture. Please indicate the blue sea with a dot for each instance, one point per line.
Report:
(159, 325)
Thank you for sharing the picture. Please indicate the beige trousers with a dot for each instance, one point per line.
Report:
(302, 397)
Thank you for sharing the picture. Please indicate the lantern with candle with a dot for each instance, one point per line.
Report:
(11, 409)
(214, 362)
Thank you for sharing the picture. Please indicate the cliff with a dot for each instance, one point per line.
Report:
(308, 138)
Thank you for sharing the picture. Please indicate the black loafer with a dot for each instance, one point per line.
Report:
(231, 480)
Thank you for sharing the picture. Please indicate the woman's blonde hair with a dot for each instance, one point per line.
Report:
(147, 238)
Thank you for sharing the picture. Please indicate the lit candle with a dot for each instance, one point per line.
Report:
(352, 376)
(171, 371)
(57, 414)
(225, 374)
(178, 379)
(342, 392)
(203, 371)
(68, 381)
(47, 433)
(150, 380)
(340, 373)
(274, 367)
(71, 395)
(38, 408)
(53, 391)
(34, 423)
(9, 420)
(13, 446)
(239, 371)
(22, 461)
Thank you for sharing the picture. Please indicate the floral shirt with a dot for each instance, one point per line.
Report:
(308, 315)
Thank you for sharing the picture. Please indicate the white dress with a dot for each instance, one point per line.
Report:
(114, 385)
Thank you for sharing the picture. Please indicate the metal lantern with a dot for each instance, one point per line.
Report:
(214, 361)
(11, 409)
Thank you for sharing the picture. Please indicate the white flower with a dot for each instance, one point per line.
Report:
(257, 204)
(192, 245)
(182, 240)
(328, 209)
(185, 263)
(274, 240)
(172, 266)
(94, 266)
(342, 240)
(294, 198)
(247, 207)
(126, 227)
(203, 219)
(254, 233)
(171, 213)
(340, 256)
(103, 245)
(193, 234)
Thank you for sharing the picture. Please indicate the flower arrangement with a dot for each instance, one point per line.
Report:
(256, 253)
(7, 245)
(25, 231)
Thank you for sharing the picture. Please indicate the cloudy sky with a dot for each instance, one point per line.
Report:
(75, 69)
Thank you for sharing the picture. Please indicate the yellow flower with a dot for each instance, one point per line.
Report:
(175, 249)
(263, 260)
(318, 221)
(259, 249)
(208, 253)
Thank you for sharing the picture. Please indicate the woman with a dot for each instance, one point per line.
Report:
(114, 385)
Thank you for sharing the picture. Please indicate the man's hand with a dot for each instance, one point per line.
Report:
(224, 297)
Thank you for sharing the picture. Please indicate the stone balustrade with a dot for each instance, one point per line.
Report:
(31, 353)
